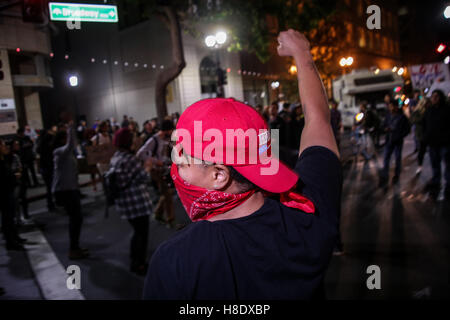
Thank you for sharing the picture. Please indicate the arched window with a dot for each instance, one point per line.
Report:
(208, 78)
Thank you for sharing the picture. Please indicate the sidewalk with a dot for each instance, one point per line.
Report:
(104, 275)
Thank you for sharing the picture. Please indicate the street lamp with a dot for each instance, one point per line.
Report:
(210, 41)
(73, 81)
(346, 62)
(447, 12)
(216, 41)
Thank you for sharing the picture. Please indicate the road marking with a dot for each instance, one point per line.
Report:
(50, 274)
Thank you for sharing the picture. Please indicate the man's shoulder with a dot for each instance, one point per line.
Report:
(189, 235)
(187, 241)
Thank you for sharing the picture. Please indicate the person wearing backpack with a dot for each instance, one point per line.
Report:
(129, 180)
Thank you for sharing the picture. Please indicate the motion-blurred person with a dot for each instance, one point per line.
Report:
(65, 186)
(125, 121)
(45, 151)
(133, 199)
(413, 103)
(81, 129)
(296, 128)
(137, 141)
(397, 127)
(147, 131)
(31, 133)
(21, 187)
(277, 122)
(7, 203)
(101, 138)
(259, 109)
(437, 137)
(157, 150)
(27, 157)
(417, 119)
(93, 170)
(336, 121)
(96, 124)
(361, 137)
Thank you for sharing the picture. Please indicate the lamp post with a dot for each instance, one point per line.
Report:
(346, 62)
(215, 42)
(73, 83)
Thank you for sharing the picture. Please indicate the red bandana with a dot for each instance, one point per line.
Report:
(203, 204)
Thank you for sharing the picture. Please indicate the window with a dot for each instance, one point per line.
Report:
(362, 38)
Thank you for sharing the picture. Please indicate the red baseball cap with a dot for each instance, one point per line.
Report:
(232, 133)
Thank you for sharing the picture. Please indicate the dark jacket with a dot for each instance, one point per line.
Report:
(7, 178)
(45, 150)
(437, 125)
(397, 126)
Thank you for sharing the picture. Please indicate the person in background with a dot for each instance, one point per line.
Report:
(96, 124)
(286, 110)
(336, 121)
(20, 188)
(137, 141)
(397, 127)
(276, 122)
(413, 102)
(133, 201)
(361, 132)
(102, 137)
(416, 119)
(13, 159)
(65, 186)
(93, 171)
(31, 133)
(175, 117)
(297, 125)
(81, 129)
(27, 157)
(155, 125)
(157, 151)
(437, 137)
(45, 151)
(7, 204)
(125, 122)
(147, 131)
(259, 109)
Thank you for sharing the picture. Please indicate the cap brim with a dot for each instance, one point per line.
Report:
(274, 177)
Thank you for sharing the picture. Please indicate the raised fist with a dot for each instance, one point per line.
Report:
(292, 43)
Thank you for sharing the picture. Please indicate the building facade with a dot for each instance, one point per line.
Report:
(117, 70)
(24, 69)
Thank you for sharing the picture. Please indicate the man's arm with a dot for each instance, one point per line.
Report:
(317, 130)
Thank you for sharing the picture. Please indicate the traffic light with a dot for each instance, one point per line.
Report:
(222, 76)
(2, 75)
(441, 48)
(33, 10)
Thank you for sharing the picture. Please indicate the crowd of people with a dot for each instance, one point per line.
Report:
(59, 155)
(427, 119)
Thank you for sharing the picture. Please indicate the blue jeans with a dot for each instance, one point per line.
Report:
(437, 154)
(388, 150)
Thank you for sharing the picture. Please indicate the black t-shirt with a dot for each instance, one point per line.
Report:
(275, 253)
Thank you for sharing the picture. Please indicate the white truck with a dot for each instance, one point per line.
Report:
(352, 89)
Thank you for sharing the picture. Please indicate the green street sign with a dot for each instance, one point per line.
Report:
(82, 12)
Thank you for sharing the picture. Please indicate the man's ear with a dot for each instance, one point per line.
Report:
(221, 176)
